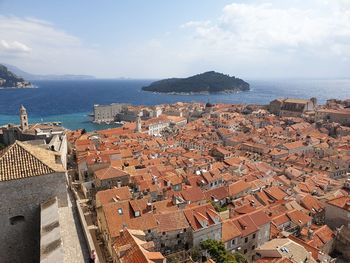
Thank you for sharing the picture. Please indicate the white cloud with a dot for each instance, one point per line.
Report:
(277, 33)
(251, 38)
(39, 47)
(13, 47)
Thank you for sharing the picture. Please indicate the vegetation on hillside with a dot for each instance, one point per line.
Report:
(217, 251)
(7, 78)
(206, 82)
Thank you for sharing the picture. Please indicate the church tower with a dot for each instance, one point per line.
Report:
(23, 118)
(138, 124)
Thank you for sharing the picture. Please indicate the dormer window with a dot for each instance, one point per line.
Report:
(204, 223)
(137, 213)
(120, 211)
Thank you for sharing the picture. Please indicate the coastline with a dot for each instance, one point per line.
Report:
(70, 102)
(71, 121)
(15, 88)
(198, 93)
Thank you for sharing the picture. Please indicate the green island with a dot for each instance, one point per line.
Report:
(208, 82)
(10, 80)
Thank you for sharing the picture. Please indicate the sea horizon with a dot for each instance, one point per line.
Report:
(70, 101)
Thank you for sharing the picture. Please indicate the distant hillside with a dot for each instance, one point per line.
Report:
(30, 76)
(9, 79)
(206, 82)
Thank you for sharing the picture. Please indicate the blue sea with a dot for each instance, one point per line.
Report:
(70, 102)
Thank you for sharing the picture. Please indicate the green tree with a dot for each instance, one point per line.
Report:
(240, 258)
(195, 253)
(217, 251)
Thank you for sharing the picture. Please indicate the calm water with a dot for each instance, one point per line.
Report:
(71, 101)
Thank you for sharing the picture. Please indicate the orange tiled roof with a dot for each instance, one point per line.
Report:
(193, 194)
(130, 248)
(114, 194)
(311, 203)
(229, 230)
(341, 202)
(171, 221)
(22, 160)
(299, 217)
(121, 214)
(245, 225)
(275, 192)
(322, 236)
(218, 193)
(202, 212)
(109, 172)
(238, 187)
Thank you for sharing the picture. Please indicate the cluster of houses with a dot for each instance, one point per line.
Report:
(269, 183)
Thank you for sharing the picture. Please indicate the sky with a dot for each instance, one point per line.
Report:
(178, 38)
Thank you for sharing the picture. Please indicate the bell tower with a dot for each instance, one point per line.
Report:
(138, 124)
(23, 118)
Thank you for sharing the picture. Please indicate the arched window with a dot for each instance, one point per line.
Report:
(16, 219)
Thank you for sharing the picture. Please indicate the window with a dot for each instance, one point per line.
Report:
(253, 247)
(178, 236)
(245, 251)
(16, 219)
(163, 233)
(120, 211)
(246, 240)
(233, 242)
(254, 235)
(162, 245)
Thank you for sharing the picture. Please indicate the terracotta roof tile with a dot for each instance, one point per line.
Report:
(238, 187)
(130, 248)
(171, 221)
(229, 230)
(113, 195)
(109, 172)
(193, 194)
(194, 214)
(275, 192)
(21, 160)
(341, 202)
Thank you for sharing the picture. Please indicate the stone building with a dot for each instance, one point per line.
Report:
(155, 126)
(107, 113)
(25, 131)
(284, 248)
(106, 178)
(292, 107)
(341, 116)
(338, 212)
(29, 176)
(205, 223)
(173, 233)
(131, 246)
(247, 232)
(24, 118)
